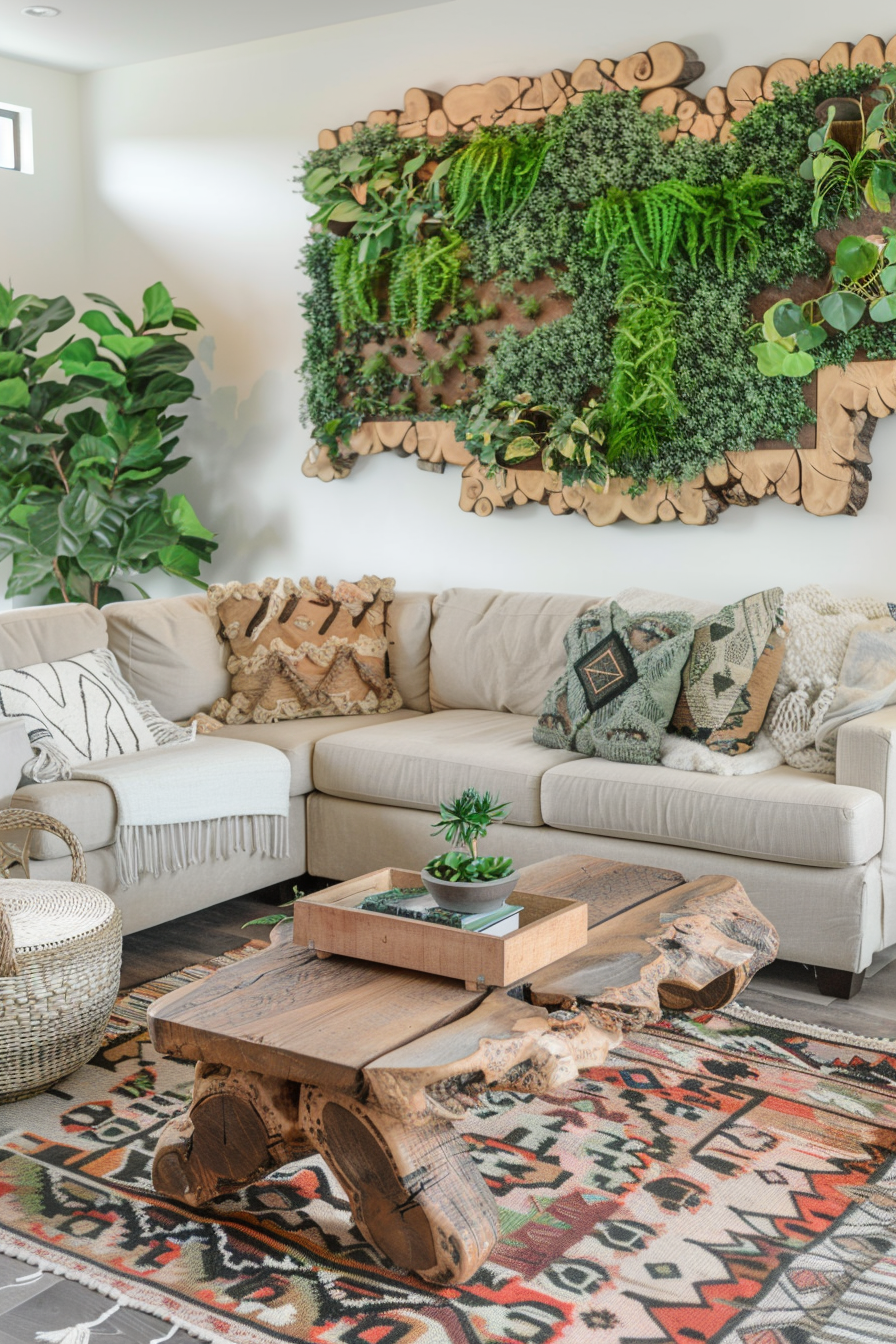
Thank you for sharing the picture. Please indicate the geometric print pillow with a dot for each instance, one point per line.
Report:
(730, 675)
(80, 709)
(618, 690)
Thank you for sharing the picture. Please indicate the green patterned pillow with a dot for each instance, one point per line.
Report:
(622, 679)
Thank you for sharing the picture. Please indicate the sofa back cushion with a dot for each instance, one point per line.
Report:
(498, 650)
(31, 635)
(168, 651)
(410, 617)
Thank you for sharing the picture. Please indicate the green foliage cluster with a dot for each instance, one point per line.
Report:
(496, 172)
(86, 440)
(600, 152)
(642, 405)
(724, 220)
(424, 277)
(466, 820)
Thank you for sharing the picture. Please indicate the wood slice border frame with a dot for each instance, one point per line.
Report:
(830, 478)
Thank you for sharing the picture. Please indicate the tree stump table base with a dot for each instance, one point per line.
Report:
(383, 1120)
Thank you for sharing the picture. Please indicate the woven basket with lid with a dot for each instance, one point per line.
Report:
(60, 957)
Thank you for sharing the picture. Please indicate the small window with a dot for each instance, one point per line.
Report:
(16, 153)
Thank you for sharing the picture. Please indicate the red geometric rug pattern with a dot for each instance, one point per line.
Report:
(718, 1181)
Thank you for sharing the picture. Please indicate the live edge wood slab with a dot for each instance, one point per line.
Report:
(370, 1065)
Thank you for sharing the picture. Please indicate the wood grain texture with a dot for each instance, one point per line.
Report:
(287, 1014)
(694, 946)
(415, 1194)
(331, 922)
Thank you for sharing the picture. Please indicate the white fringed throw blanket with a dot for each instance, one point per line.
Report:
(182, 805)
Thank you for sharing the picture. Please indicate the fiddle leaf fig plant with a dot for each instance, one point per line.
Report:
(466, 820)
(86, 439)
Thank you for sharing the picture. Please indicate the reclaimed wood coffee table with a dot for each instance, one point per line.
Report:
(370, 1065)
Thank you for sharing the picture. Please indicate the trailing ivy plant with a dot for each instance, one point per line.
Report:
(86, 439)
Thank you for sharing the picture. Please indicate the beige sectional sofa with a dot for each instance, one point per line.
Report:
(817, 855)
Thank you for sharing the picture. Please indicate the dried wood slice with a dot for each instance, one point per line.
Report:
(558, 106)
(415, 1194)
(509, 118)
(726, 133)
(411, 129)
(607, 67)
(587, 76)
(345, 134)
(789, 71)
(716, 100)
(418, 103)
(687, 110)
(674, 64)
(635, 72)
(358, 126)
(533, 97)
(550, 89)
(392, 432)
(327, 140)
(890, 51)
(703, 127)
(870, 51)
(744, 90)
(437, 124)
(531, 115)
(838, 54)
(463, 103)
(382, 118)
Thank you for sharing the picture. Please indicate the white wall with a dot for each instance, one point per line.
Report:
(187, 169)
(41, 213)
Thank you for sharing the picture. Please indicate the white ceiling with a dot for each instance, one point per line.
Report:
(93, 34)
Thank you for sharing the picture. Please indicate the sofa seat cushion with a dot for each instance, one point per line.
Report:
(85, 806)
(297, 739)
(435, 757)
(785, 815)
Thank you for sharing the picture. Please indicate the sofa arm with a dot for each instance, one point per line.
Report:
(866, 755)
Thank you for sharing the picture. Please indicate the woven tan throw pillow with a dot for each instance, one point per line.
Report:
(304, 651)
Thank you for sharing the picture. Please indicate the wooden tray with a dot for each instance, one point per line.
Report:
(329, 922)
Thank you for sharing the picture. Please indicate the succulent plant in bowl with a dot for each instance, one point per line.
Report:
(463, 879)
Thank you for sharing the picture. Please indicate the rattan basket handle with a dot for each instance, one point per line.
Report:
(22, 818)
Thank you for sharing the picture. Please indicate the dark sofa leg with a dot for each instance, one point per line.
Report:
(838, 984)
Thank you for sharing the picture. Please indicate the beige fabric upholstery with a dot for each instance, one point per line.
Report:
(784, 815)
(409, 619)
(824, 916)
(297, 738)
(437, 756)
(15, 752)
(46, 634)
(84, 806)
(168, 651)
(498, 651)
(866, 756)
(157, 899)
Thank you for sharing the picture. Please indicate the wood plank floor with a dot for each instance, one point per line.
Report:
(31, 1302)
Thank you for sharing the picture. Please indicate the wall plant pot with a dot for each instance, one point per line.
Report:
(470, 898)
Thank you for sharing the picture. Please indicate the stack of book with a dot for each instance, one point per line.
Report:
(417, 903)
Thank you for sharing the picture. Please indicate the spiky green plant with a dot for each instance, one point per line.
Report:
(496, 171)
(424, 276)
(356, 284)
(641, 402)
(724, 220)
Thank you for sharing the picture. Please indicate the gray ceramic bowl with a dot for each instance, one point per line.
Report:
(470, 898)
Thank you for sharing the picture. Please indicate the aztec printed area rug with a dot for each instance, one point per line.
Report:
(719, 1181)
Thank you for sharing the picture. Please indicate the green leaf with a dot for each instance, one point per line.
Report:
(10, 363)
(182, 317)
(14, 393)
(180, 560)
(769, 326)
(788, 318)
(127, 347)
(181, 514)
(345, 212)
(165, 389)
(29, 571)
(520, 450)
(91, 447)
(158, 308)
(54, 315)
(883, 309)
(856, 256)
(770, 357)
(821, 165)
(842, 309)
(888, 278)
(119, 312)
(797, 364)
(96, 321)
(96, 562)
(146, 533)
(811, 336)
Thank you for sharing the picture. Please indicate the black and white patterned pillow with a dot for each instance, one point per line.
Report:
(81, 709)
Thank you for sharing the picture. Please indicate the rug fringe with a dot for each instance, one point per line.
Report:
(88, 1281)
(807, 1028)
